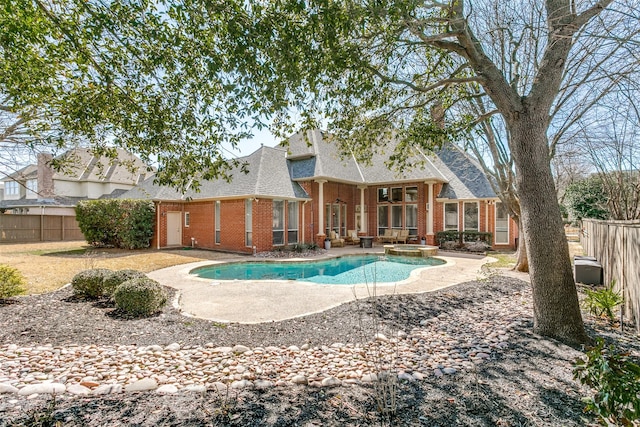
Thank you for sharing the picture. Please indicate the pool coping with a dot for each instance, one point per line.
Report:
(248, 302)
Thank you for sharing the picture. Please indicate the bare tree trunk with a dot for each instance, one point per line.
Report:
(522, 261)
(556, 310)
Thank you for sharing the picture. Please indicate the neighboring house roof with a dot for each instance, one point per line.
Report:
(126, 168)
(27, 172)
(275, 172)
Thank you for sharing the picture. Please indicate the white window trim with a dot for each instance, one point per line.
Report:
(187, 219)
(11, 188)
(464, 226)
(495, 226)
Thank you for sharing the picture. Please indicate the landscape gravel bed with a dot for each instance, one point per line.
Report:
(464, 355)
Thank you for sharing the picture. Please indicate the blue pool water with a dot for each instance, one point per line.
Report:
(346, 270)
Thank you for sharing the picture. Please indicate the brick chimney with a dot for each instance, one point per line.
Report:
(45, 176)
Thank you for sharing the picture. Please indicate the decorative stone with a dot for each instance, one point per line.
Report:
(449, 371)
(89, 384)
(78, 390)
(42, 388)
(144, 384)
(107, 389)
(7, 388)
(380, 337)
(240, 349)
(195, 388)
(173, 347)
(167, 389)
(331, 382)
(369, 378)
(299, 379)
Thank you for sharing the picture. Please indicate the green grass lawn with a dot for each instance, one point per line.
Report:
(504, 259)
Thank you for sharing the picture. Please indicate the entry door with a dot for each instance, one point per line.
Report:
(174, 228)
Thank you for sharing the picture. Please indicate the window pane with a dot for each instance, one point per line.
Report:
(335, 218)
(248, 222)
(450, 216)
(502, 224)
(217, 222)
(471, 216)
(383, 194)
(327, 219)
(396, 216)
(411, 194)
(411, 219)
(278, 222)
(396, 194)
(383, 219)
(292, 222)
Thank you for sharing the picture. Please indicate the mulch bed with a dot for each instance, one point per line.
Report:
(528, 384)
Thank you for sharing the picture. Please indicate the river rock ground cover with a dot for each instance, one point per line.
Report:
(464, 355)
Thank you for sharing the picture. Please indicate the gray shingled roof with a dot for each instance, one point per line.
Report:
(465, 176)
(268, 177)
(315, 158)
(84, 166)
(274, 172)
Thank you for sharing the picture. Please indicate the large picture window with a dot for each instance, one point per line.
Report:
(292, 222)
(278, 222)
(502, 225)
(451, 216)
(11, 188)
(411, 219)
(471, 216)
(248, 222)
(217, 225)
(396, 217)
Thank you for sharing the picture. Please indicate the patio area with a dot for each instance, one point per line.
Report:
(243, 301)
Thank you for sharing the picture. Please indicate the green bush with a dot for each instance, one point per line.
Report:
(90, 283)
(616, 381)
(603, 301)
(11, 282)
(140, 297)
(120, 223)
(116, 278)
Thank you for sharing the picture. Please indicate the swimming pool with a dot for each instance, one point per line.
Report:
(345, 270)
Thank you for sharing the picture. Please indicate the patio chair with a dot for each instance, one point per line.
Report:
(352, 237)
(389, 236)
(403, 235)
(336, 241)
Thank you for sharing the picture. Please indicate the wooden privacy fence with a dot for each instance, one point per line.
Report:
(38, 228)
(616, 244)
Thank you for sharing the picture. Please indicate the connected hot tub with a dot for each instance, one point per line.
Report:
(411, 250)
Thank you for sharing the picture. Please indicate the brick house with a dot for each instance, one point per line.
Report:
(40, 190)
(300, 192)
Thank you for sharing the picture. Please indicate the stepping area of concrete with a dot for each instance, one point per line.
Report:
(245, 301)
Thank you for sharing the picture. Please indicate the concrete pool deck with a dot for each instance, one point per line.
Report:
(245, 301)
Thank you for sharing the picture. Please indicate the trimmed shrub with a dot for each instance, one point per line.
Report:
(140, 297)
(90, 283)
(121, 223)
(11, 282)
(116, 278)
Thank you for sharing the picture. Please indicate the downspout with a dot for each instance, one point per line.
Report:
(158, 214)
